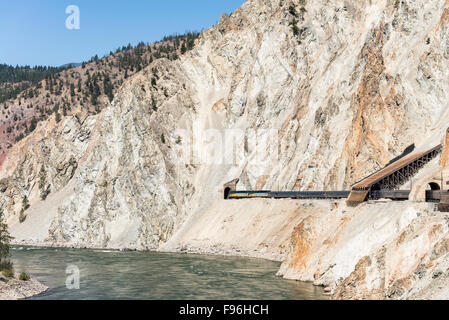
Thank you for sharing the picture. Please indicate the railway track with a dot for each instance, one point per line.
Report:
(396, 195)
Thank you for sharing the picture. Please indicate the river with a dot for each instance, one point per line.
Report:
(110, 275)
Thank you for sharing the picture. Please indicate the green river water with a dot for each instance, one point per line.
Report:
(110, 275)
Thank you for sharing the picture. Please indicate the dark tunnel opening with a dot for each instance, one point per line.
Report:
(226, 193)
(434, 186)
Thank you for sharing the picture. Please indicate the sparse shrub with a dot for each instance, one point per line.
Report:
(22, 216)
(437, 273)
(8, 273)
(20, 137)
(153, 103)
(6, 265)
(295, 29)
(292, 11)
(24, 276)
(25, 203)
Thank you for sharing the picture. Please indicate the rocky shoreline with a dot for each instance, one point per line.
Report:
(40, 244)
(215, 250)
(14, 289)
(229, 251)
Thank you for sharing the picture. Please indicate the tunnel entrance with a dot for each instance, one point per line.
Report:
(226, 193)
(229, 187)
(432, 186)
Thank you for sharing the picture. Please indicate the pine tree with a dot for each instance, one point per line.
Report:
(5, 240)
(108, 87)
(33, 124)
(43, 183)
(25, 203)
(153, 103)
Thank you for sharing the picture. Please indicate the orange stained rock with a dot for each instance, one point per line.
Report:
(302, 242)
(445, 155)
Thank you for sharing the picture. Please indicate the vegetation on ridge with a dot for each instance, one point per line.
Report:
(30, 95)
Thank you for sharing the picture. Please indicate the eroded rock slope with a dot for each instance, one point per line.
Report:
(341, 87)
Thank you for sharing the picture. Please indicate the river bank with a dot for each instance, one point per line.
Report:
(15, 289)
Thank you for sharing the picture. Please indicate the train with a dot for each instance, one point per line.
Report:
(397, 195)
(288, 194)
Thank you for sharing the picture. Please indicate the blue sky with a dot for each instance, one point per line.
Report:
(33, 32)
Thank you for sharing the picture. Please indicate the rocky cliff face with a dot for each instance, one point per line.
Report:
(337, 88)
(383, 250)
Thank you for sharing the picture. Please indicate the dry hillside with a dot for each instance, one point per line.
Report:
(67, 91)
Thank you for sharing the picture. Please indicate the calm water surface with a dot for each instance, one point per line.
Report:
(113, 275)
